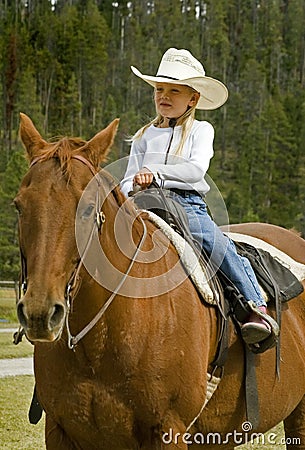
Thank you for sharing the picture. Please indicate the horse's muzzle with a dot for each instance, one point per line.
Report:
(41, 324)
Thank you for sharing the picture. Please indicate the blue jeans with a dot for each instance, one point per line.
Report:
(220, 248)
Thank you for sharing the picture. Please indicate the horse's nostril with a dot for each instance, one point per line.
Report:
(21, 315)
(57, 315)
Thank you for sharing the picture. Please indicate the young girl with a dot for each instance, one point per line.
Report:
(176, 149)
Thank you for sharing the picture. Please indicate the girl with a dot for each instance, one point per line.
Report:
(176, 149)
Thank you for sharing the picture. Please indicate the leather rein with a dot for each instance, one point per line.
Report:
(74, 282)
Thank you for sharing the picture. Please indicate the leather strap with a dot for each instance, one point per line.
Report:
(35, 411)
(251, 393)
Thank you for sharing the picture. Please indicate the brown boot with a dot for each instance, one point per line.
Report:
(255, 329)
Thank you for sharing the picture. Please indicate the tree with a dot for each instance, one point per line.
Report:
(9, 259)
(67, 65)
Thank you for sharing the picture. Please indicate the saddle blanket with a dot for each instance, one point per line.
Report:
(187, 257)
(195, 270)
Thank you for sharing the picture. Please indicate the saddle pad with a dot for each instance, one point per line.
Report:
(187, 257)
(295, 267)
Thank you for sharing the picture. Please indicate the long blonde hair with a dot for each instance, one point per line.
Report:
(186, 121)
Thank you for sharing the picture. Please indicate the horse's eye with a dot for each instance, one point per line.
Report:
(88, 211)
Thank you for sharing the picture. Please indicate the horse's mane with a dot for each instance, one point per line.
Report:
(62, 150)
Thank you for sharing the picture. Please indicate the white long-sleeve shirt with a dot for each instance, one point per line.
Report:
(186, 171)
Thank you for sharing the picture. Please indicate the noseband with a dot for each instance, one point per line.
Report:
(74, 282)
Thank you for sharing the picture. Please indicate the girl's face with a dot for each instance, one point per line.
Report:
(172, 100)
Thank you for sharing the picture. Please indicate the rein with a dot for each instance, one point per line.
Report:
(71, 291)
(73, 340)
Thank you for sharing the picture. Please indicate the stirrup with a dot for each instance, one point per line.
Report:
(271, 335)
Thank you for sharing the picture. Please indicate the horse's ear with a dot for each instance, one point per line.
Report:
(30, 137)
(99, 146)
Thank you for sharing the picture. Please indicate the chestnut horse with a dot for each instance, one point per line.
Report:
(136, 376)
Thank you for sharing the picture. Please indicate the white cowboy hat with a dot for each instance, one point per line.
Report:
(180, 67)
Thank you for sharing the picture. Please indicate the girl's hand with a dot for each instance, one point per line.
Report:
(143, 178)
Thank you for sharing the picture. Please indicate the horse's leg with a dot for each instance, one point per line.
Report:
(56, 438)
(294, 427)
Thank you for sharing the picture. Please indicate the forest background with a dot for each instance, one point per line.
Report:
(66, 64)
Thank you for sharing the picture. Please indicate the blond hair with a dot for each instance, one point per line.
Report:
(186, 121)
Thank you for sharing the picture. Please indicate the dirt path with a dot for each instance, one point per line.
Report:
(16, 366)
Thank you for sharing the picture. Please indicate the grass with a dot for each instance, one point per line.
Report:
(8, 319)
(8, 307)
(10, 350)
(16, 433)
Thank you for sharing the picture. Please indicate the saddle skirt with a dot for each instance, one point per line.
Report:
(295, 267)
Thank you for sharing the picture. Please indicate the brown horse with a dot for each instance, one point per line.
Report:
(135, 378)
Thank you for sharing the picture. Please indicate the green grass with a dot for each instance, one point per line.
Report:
(8, 313)
(10, 350)
(8, 319)
(16, 433)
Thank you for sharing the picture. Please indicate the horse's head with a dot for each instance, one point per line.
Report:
(47, 203)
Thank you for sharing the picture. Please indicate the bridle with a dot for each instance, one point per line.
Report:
(74, 282)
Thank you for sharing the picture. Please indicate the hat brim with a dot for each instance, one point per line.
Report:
(213, 93)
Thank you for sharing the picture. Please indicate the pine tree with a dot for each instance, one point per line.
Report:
(9, 255)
